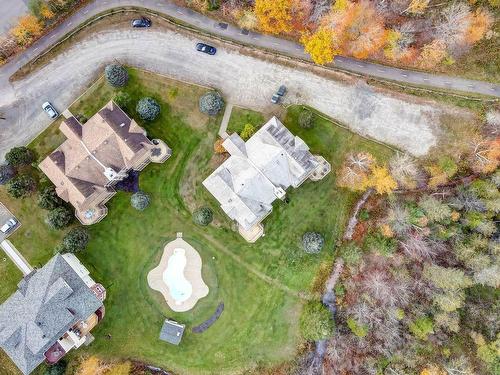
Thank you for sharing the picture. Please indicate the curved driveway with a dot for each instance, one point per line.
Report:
(264, 41)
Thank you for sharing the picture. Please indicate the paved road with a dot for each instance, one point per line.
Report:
(10, 11)
(264, 41)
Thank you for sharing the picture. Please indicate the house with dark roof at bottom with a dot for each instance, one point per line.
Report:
(96, 156)
(53, 311)
(259, 171)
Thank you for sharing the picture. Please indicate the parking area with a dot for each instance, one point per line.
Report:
(6, 215)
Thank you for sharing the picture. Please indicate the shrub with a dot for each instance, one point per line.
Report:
(360, 330)
(81, 118)
(48, 198)
(56, 369)
(116, 75)
(140, 200)
(59, 217)
(21, 186)
(7, 173)
(312, 242)
(203, 216)
(218, 147)
(75, 240)
(122, 99)
(380, 244)
(316, 321)
(20, 156)
(422, 327)
(306, 119)
(247, 132)
(148, 109)
(351, 253)
(211, 103)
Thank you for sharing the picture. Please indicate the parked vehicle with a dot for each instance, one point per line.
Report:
(141, 22)
(50, 110)
(205, 48)
(11, 223)
(278, 95)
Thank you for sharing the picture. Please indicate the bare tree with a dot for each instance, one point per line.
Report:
(453, 25)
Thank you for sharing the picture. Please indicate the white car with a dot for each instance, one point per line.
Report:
(50, 110)
(11, 223)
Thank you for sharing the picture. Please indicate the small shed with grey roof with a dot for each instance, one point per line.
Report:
(172, 332)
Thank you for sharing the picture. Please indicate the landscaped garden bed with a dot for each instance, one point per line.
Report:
(262, 285)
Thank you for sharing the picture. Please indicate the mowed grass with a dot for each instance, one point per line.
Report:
(258, 283)
(242, 116)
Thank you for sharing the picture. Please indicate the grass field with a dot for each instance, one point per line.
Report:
(242, 116)
(260, 284)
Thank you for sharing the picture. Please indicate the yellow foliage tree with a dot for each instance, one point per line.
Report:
(218, 147)
(275, 16)
(433, 370)
(432, 54)
(26, 29)
(480, 23)
(320, 45)
(46, 13)
(417, 6)
(381, 180)
(355, 171)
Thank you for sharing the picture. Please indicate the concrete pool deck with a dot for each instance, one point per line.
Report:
(192, 272)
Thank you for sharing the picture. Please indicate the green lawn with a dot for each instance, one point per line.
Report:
(241, 116)
(258, 283)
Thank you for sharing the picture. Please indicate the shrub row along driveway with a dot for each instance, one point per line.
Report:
(244, 80)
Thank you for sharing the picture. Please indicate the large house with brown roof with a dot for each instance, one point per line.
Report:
(95, 156)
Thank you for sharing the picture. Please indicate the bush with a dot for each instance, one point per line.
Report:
(82, 119)
(360, 330)
(211, 103)
(116, 75)
(203, 216)
(7, 173)
(56, 369)
(351, 253)
(60, 217)
(316, 321)
(122, 99)
(422, 327)
(312, 242)
(140, 200)
(247, 132)
(48, 198)
(21, 186)
(380, 244)
(75, 240)
(306, 119)
(148, 109)
(20, 156)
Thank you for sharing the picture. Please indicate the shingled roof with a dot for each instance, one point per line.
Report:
(108, 139)
(47, 303)
(258, 172)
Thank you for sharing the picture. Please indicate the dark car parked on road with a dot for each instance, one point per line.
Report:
(141, 22)
(278, 95)
(205, 48)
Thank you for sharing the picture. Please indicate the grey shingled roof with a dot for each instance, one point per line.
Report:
(172, 332)
(47, 303)
(246, 184)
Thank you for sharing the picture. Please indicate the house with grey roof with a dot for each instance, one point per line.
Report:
(53, 311)
(172, 332)
(259, 171)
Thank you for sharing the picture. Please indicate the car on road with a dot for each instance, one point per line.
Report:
(205, 48)
(279, 94)
(50, 110)
(11, 223)
(141, 22)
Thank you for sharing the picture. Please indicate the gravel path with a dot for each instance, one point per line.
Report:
(243, 80)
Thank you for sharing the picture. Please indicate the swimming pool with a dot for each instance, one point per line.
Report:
(179, 287)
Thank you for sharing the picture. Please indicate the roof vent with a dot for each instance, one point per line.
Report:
(279, 192)
(122, 125)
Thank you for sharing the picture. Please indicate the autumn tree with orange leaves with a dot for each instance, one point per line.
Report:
(27, 28)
